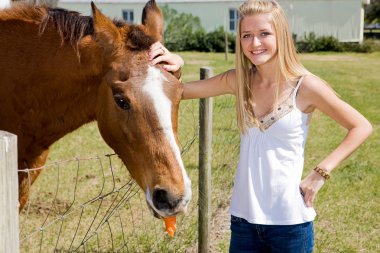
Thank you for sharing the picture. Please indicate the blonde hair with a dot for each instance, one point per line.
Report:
(289, 67)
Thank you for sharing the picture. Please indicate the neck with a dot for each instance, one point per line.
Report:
(56, 94)
(72, 95)
(266, 74)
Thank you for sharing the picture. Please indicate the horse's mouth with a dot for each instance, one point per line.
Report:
(180, 208)
(158, 216)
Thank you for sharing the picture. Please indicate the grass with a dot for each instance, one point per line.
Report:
(348, 205)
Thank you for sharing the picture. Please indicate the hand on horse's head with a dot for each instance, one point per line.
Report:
(159, 54)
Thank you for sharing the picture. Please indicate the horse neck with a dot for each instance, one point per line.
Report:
(56, 88)
(72, 91)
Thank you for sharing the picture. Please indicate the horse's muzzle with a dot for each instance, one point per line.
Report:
(164, 204)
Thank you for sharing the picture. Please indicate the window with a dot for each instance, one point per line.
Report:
(128, 16)
(233, 20)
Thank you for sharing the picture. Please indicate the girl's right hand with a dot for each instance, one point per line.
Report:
(159, 54)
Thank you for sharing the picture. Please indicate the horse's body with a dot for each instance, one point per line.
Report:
(60, 70)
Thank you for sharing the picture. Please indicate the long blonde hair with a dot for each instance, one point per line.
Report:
(289, 67)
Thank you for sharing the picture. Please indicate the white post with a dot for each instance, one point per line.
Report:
(5, 3)
(9, 226)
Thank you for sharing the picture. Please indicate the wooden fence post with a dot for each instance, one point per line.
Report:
(9, 227)
(205, 138)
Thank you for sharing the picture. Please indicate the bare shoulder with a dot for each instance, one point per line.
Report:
(313, 85)
(312, 92)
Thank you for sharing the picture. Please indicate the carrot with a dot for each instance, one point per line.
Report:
(170, 225)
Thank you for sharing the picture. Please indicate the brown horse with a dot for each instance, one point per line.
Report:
(60, 70)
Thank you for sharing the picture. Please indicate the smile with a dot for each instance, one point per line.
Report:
(256, 52)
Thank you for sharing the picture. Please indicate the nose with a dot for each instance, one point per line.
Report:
(163, 200)
(256, 41)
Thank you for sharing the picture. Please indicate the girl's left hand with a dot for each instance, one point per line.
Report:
(310, 186)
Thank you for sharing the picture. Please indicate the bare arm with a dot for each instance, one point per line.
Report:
(318, 95)
(224, 83)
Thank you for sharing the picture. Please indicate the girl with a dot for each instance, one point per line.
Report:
(271, 208)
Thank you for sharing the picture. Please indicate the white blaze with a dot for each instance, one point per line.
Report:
(154, 88)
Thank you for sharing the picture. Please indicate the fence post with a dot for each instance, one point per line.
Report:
(9, 230)
(205, 138)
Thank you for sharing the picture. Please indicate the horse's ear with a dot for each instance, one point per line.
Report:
(107, 35)
(152, 20)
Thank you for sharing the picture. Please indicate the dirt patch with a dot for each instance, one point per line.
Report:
(220, 232)
(220, 229)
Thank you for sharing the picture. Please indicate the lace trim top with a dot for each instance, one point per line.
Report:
(284, 108)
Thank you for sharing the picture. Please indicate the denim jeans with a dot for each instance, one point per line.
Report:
(247, 237)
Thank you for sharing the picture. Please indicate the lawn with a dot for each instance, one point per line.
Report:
(348, 205)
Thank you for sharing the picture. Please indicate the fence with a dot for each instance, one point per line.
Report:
(80, 223)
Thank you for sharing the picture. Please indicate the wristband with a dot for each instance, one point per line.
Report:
(322, 172)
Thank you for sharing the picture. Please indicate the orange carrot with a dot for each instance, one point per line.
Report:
(170, 225)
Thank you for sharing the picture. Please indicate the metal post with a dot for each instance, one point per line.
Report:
(205, 139)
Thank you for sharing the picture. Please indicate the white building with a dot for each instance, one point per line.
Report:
(343, 19)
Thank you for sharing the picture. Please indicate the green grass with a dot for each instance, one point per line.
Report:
(348, 205)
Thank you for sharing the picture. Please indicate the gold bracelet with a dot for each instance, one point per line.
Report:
(322, 172)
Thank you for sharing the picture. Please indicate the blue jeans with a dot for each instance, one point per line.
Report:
(247, 237)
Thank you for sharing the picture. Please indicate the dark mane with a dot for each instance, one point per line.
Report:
(135, 38)
(71, 26)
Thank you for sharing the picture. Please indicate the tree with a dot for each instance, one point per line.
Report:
(372, 12)
(181, 29)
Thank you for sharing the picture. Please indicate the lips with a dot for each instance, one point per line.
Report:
(257, 52)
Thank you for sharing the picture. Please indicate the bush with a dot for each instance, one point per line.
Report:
(215, 41)
(312, 43)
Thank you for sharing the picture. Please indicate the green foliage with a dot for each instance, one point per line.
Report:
(180, 28)
(312, 43)
(372, 12)
(184, 32)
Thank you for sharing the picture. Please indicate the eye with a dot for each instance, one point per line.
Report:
(122, 102)
(264, 34)
(123, 76)
(246, 36)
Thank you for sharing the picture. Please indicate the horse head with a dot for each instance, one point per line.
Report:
(137, 110)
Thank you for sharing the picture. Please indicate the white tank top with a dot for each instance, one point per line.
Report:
(266, 188)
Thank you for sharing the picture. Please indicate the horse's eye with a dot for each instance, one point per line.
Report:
(122, 102)
(123, 77)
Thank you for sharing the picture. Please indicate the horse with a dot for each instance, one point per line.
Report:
(61, 70)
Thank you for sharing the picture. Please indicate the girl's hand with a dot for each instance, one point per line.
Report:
(310, 186)
(159, 54)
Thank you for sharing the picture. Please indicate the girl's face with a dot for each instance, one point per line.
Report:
(258, 38)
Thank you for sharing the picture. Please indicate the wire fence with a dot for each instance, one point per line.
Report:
(90, 205)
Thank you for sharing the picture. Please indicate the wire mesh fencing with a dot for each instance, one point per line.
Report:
(88, 205)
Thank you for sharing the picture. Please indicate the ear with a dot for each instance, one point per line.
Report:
(107, 35)
(152, 20)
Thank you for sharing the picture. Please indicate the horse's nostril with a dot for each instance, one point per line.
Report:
(163, 200)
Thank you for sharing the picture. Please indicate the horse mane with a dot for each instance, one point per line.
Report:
(71, 25)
